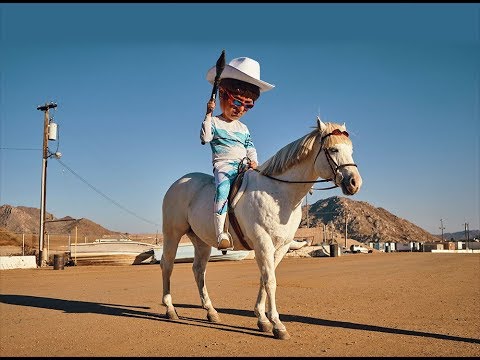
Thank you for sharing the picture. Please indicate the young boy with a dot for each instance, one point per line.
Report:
(240, 86)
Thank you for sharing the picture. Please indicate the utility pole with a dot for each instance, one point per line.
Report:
(467, 235)
(346, 221)
(332, 234)
(442, 227)
(42, 261)
(306, 206)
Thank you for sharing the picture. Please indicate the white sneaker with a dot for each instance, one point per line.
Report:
(224, 241)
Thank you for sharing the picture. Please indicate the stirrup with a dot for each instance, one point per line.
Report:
(224, 242)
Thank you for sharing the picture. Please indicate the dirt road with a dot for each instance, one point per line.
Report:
(388, 304)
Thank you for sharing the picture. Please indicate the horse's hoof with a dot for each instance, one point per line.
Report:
(281, 334)
(214, 318)
(265, 326)
(172, 315)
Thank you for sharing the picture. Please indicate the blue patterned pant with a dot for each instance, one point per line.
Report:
(224, 173)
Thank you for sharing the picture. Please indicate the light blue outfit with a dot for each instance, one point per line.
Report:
(230, 143)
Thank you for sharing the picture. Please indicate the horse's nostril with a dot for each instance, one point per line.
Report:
(352, 182)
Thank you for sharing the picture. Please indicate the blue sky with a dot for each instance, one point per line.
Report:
(129, 81)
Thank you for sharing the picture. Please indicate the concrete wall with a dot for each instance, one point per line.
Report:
(17, 262)
(469, 251)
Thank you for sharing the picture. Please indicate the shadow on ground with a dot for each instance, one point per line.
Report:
(78, 307)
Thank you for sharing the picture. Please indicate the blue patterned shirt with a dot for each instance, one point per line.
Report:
(229, 141)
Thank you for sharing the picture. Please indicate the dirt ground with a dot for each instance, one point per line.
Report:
(386, 304)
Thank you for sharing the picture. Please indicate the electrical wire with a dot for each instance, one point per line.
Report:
(105, 196)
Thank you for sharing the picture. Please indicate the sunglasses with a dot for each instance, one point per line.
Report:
(339, 132)
(236, 102)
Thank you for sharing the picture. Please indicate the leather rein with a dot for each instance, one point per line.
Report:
(335, 167)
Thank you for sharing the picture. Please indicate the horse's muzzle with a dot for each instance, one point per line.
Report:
(351, 184)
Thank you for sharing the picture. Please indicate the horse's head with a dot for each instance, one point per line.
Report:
(334, 159)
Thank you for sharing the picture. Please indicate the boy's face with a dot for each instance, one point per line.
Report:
(234, 106)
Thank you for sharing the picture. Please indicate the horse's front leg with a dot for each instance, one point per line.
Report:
(199, 267)
(268, 260)
(263, 323)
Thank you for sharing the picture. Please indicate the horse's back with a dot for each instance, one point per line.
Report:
(179, 196)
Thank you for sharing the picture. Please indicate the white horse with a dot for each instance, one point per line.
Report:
(267, 208)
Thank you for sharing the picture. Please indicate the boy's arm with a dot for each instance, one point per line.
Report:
(206, 133)
(251, 152)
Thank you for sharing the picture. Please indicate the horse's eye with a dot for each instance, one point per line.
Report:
(333, 150)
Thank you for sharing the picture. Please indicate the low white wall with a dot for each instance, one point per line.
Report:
(17, 262)
(469, 251)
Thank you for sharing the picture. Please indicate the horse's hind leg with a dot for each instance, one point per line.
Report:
(170, 245)
(202, 255)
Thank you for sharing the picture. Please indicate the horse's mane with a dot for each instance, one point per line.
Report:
(299, 149)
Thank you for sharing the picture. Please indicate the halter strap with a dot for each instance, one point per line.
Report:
(329, 160)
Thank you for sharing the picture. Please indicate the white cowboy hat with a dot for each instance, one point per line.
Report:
(242, 68)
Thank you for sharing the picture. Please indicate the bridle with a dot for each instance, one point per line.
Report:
(331, 162)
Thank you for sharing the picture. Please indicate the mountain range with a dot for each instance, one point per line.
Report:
(363, 221)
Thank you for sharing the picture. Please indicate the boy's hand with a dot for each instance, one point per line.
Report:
(253, 164)
(210, 106)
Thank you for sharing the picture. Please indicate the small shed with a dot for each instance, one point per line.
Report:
(449, 245)
(390, 246)
(417, 246)
(402, 247)
(428, 247)
(378, 246)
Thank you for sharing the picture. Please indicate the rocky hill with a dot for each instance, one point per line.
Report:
(365, 222)
(22, 219)
(7, 238)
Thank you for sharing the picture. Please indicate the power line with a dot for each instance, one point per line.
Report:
(105, 196)
(91, 186)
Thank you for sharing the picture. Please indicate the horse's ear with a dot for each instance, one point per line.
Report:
(321, 125)
(344, 127)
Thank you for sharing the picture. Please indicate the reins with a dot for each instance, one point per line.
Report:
(296, 182)
(330, 160)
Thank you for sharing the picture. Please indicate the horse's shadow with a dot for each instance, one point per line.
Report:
(141, 312)
(343, 324)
